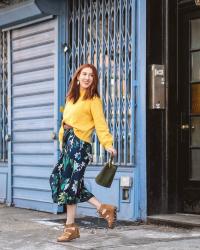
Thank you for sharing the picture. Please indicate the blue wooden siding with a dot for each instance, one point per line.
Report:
(33, 57)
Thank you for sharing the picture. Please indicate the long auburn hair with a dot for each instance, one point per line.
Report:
(74, 88)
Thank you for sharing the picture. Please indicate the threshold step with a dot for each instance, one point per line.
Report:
(176, 220)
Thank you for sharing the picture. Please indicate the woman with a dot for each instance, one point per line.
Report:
(82, 114)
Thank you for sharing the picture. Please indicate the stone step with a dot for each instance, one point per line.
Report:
(176, 220)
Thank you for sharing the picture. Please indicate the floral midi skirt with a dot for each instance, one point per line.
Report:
(67, 178)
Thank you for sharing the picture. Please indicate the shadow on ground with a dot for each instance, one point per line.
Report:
(97, 223)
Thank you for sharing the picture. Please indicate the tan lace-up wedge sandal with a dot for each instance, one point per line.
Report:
(109, 213)
(71, 232)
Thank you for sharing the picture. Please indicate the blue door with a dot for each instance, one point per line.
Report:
(33, 55)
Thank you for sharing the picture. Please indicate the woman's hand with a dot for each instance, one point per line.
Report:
(60, 147)
(112, 151)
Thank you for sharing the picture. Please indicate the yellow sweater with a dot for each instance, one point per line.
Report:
(85, 116)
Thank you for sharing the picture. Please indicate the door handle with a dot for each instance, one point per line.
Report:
(185, 126)
(53, 136)
(8, 137)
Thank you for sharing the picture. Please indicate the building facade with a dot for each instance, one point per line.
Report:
(148, 57)
(42, 44)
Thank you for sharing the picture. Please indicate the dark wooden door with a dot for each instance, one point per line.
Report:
(189, 110)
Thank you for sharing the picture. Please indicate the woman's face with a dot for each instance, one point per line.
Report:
(86, 78)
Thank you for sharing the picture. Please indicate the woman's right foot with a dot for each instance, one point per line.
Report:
(71, 232)
(109, 213)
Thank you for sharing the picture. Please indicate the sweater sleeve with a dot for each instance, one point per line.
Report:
(100, 124)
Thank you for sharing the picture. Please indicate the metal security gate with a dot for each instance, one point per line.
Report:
(3, 117)
(34, 77)
(3, 97)
(103, 32)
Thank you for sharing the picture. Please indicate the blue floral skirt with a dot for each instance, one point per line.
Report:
(67, 178)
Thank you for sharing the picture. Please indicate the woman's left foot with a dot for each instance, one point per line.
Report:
(109, 213)
(71, 232)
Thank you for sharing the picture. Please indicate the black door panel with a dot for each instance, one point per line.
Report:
(189, 110)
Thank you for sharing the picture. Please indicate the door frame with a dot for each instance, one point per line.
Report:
(157, 181)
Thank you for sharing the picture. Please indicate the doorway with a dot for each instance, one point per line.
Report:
(189, 110)
(174, 133)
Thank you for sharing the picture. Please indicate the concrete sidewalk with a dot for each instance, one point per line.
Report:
(30, 230)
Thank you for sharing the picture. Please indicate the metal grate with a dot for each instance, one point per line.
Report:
(3, 97)
(102, 32)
